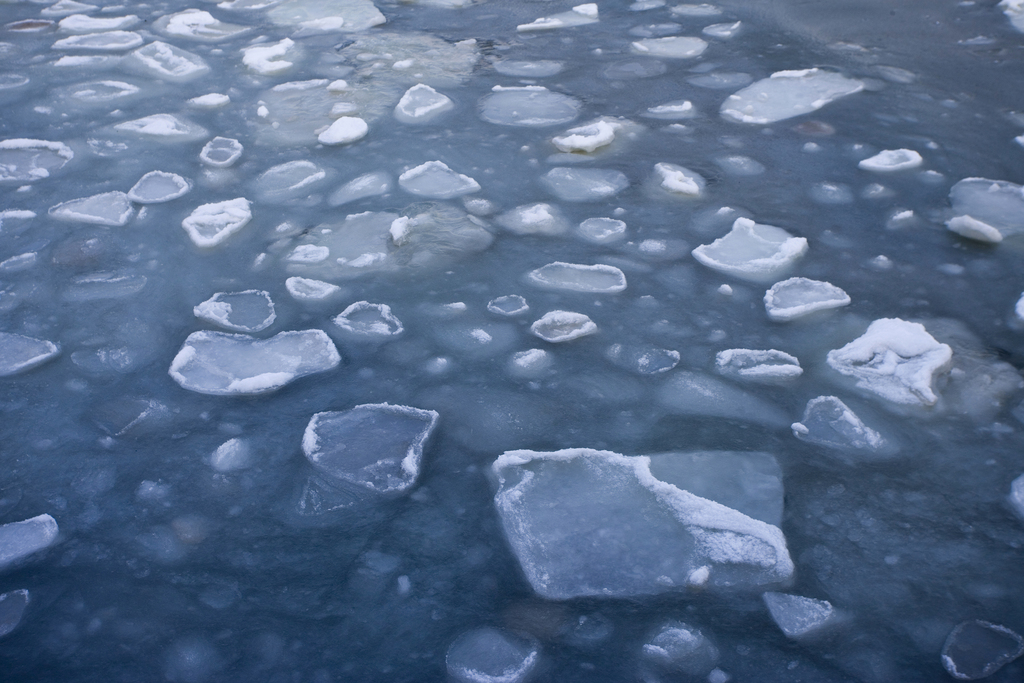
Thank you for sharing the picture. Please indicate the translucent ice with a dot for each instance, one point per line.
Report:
(786, 94)
(23, 160)
(1016, 496)
(375, 446)
(268, 60)
(327, 15)
(211, 224)
(977, 649)
(680, 648)
(19, 353)
(674, 110)
(587, 522)
(602, 230)
(157, 187)
(895, 359)
(675, 47)
(530, 364)
(164, 127)
(829, 422)
(167, 62)
(108, 41)
(108, 208)
(231, 456)
(757, 365)
(1014, 11)
(422, 104)
(691, 393)
(580, 15)
(584, 184)
(509, 305)
(221, 152)
(574, 277)
(487, 655)
(532, 106)
(798, 296)
(290, 180)
(541, 68)
(195, 24)
(563, 326)
(369, 321)
(723, 31)
(223, 364)
(643, 359)
(366, 185)
(987, 210)
(752, 251)
(534, 219)
(12, 607)
(305, 289)
(891, 160)
(19, 540)
(248, 311)
(435, 180)
(796, 616)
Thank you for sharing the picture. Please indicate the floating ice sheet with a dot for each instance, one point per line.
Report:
(327, 15)
(248, 311)
(723, 31)
(531, 106)
(829, 422)
(166, 62)
(509, 305)
(211, 224)
(222, 364)
(751, 251)
(680, 649)
(799, 617)
(290, 180)
(19, 353)
(487, 655)
(157, 187)
(20, 540)
(23, 160)
(108, 41)
(1014, 11)
(672, 111)
(272, 59)
(369, 321)
(12, 607)
(534, 219)
(890, 160)
(344, 130)
(677, 181)
(585, 522)
(987, 210)
(786, 94)
(221, 152)
(305, 289)
(584, 184)
(643, 359)
(589, 137)
(758, 365)
(82, 23)
(563, 326)
(699, 395)
(798, 296)
(541, 68)
(602, 230)
(376, 446)
(977, 649)
(575, 277)
(673, 47)
(422, 104)
(163, 127)
(108, 208)
(895, 359)
(580, 15)
(435, 180)
(195, 24)
(366, 185)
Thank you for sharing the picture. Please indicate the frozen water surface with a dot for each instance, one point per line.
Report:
(198, 542)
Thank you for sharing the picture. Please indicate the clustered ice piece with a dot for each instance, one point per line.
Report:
(751, 251)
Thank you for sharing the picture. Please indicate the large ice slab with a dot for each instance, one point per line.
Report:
(19, 353)
(271, 59)
(786, 94)
(575, 277)
(585, 522)
(19, 540)
(488, 655)
(222, 364)
(376, 446)
(290, 180)
(531, 105)
(366, 185)
(107, 208)
(194, 24)
(798, 296)
(82, 23)
(751, 251)
(108, 41)
(23, 160)
(248, 311)
(895, 359)
(211, 224)
(987, 210)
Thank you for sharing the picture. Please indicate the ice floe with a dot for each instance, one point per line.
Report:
(104, 285)
(589, 137)
(20, 540)
(195, 24)
(367, 185)
(890, 160)
(435, 180)
(1014, 11)
(786, 94)
(102, 92)
(723, 31)
(531, 105)
(82, 23)
(166, 62)
(541, 68)
(326, 15)
(752, 251)
(248, 311)
(157, 187)
(508, 305)
(588, 522)
(799, 617)
(488, 655)
(269, 60)
(23, 160)
(575, 277)
(672, 47)
(563, 326)
(584, 184)
(107, 208)
(534, 219)
(211, 224)
(895, 359)
(231, 456)
(108, 41)
(580, 15)
(168, 127)
(700, 395)
(530, 364)
(19, 353)
(643, 359)
(213, 100)
(702, 10)
(977, 649)
(221, 152)
(678, 648)
(369, 321)
(602, 230)
(986, 210)
(677, 181)
(829, 422)
(305, 289)
(422, 104)
(344, 130)
(65, 7)
(222, 364)
(12, 608)
(798, 297)
(758, 366)
(288, 181)
(672, 111)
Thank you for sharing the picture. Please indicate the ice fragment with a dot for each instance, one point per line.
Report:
(563, 326)
(575, 277)
(19, 540)
(798, 296)
(211, 224)
(752, 251)
(786, 94)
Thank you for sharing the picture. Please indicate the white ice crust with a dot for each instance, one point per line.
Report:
(248, 311)
(798, 296)
(167, 62)
(210, 224)
(19, 353)
(563, 326)
(678, 180)
(436, 180)
(575, 277)
(987, 210)
(758, 365)
(827, 421)
(786, 94)
(890, 160)
(157, 187)
(580, 15)
(344, 130)
(26, 160)
(368, 320)
(421, 104)
(221, 152)
(671, 47)
(797, 616)
(19, 540)
(587, 138)
(306, 289)
(895, 359)
(268, 60)
(163, 126)
(752, 251)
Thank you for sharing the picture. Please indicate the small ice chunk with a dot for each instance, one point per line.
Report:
(723, 31)
(697, 394)
(167, 62)
(672, 47)
(1016, 497)
(602, 230)
(678, 180)
(798, 296)
(369, 321)
(269, 60)
(19, 540)
(23, 160)
(326, 15)
(221, 152)
(829, 422)
(231, 456)
(987, 210)
(248, 311)
(563, 326)
(221, 364)
(830, 193)
(786, 94)
(211, 224)
(197, 24)
(580, 15)
(534, 219)
(375, 446)
(104, 285)
(574, 277)
(487, 655)
(19, 353)
(796, 616)
(643, 359)
(758, 366)
(65, 7)
(584, 184)
(290, 180)
(891, 160)
(531, 106)
(895, 359)
(108, 41)
(678, 648)
(12, 607)
(213, 100)
(157, 187)
(702, 10)
(977, 649)
(81, 23)
(587, 138)
(676, 109)
(435, 180)
(309, 253)
(530, 364)
(739, 165)
(164, 126)
(366, 185)
(305, 289)
(508, 305)
(422, 104)
(752, 251)
(344, 130)
(108, 208)
(541, 68)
